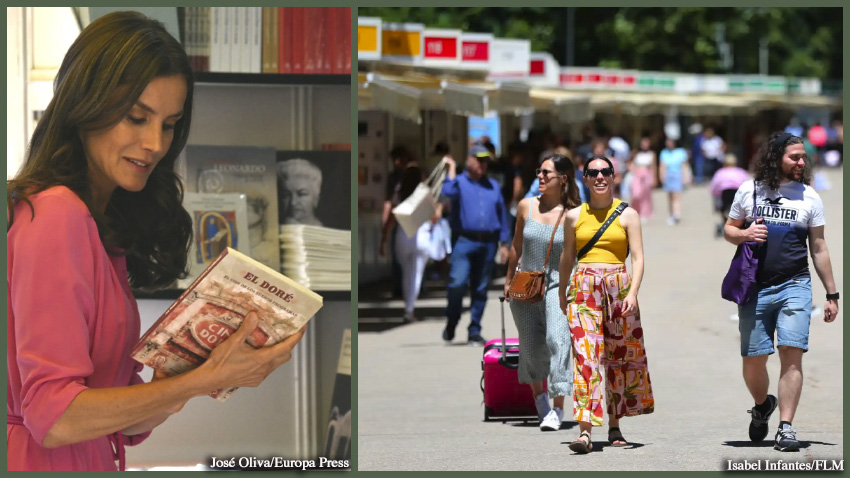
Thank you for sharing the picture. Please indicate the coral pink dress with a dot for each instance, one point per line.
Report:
(71, 321)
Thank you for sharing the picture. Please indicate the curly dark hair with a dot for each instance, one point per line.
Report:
(102, 76)
(768, 165)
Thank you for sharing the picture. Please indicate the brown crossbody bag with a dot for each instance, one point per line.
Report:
(528, 286)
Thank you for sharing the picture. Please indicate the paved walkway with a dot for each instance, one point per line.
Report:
(420, 406)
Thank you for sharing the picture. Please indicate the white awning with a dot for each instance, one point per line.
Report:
(567, 106)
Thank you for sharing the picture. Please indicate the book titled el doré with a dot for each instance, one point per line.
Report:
(213, 307)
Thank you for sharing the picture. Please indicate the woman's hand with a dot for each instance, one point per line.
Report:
(234, 363)
(507, 288)
(562, 298)
(630, 304)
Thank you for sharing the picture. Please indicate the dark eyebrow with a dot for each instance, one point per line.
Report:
(151, 110)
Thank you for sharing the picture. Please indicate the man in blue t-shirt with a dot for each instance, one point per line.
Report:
(788, 212)
(479, 222)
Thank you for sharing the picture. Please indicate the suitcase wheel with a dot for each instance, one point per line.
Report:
(486, 413)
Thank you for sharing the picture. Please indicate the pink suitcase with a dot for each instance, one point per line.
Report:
(504, 397)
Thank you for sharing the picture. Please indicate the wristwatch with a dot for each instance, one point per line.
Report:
(832, 296)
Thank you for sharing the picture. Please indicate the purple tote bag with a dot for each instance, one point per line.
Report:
(740, 281)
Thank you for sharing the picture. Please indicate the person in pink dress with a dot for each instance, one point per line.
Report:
(643, 170)
(723, 187)
(94, 213)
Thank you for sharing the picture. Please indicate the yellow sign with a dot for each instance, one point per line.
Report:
(367, 38)
(401, 43)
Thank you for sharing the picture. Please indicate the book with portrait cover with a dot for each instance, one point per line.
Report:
(239, 169)
(338, 441)
(218, 221)
(214, 306)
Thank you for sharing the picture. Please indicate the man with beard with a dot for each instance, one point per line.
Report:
(788, 212)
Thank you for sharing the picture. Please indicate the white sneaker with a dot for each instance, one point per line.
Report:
(552, 422)
(671, 221)
(542, 403)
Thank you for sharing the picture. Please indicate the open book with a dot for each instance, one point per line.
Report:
(214, 306)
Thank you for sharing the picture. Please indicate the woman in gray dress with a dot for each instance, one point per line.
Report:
(544, 334)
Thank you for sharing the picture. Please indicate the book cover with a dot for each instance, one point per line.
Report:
(240, 169)
(257, 40)
(235, 39)
(216, 24)
(219, 221)
(346, 39)
(247, 42)
(313, 186)
(226, 38)
(214, 306)
(298, 43)
(338, 441)
(285, 39)
(270, 41)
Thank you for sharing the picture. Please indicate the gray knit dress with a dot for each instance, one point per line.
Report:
(544, 333)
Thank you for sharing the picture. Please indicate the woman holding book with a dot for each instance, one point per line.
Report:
(602, 308)
(544, 335)
(95, 211)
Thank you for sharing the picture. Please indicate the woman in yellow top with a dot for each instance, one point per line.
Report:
(602, 310)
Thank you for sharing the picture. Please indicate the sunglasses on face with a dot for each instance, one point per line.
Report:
(592, 173)
(546, 172)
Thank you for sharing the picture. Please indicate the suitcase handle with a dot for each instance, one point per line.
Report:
(503, 358)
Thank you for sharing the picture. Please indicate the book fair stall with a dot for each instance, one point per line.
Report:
(419, 87)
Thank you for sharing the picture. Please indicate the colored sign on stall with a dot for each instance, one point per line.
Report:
(402, 42)
(543, 70)
(509, 59)
(475, 50)
(368, 38)
(441, 47)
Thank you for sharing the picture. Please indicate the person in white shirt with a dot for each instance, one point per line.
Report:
(713, 150)
(788, 213)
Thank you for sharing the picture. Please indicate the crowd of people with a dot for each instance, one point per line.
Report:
(588, 321)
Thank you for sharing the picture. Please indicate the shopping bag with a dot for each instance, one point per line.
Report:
(421, 205)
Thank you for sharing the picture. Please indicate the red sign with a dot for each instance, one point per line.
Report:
(475, 51)
(210, 333)
(437, 47)
(537, 67)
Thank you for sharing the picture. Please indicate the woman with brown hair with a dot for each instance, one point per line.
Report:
(543, 333)
(95, 211)
(602, 309)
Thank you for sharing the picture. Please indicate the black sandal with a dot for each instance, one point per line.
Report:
(613, 441)
(581, 446)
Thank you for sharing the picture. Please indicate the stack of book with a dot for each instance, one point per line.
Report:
(293, 40)
(316, 257)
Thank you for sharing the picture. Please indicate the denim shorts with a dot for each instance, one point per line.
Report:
(785, 309)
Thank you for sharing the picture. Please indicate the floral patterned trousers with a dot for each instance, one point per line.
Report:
(605, 337)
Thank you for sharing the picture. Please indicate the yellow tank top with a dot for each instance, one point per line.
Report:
(612, 247)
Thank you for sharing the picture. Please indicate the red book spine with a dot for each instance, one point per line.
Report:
(346, 40)
(298, 43)
(335, 39)
(285, 40)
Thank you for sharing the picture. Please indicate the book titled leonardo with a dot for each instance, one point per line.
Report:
(213, 307)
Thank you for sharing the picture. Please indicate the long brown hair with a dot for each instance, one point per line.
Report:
(565, 166)
(102, 76)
